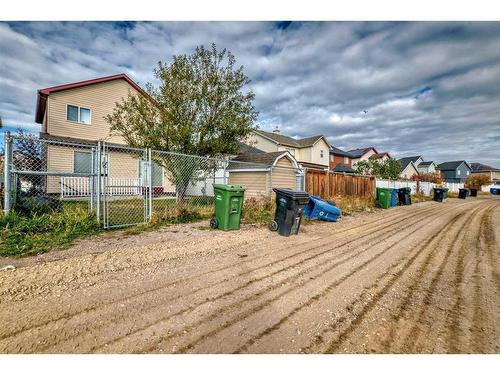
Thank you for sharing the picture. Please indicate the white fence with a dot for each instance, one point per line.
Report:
(74, 187)
(487, 188)
(425, 187)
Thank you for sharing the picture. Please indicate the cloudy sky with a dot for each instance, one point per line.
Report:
(408, 88)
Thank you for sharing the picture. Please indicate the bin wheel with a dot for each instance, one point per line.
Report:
(213, 223)
(273, 226)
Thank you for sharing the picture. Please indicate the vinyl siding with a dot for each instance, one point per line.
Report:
(315, 153)
(121, 165)
(284, 176)
(255, 183)
(100, 98)
(262, 143)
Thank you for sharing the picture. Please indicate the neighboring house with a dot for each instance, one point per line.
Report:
(311, 152)
(259, 173)
(343, 168)
(426, 167)
(359, 154)
(483, 169)
(75, 112)
(408, 168)
(382, 156)
(455, 171)
(338, 156)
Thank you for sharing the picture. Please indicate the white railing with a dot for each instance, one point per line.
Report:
(73, 187)
(425, 187)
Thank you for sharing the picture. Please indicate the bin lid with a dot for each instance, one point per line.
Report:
(229, 187)
(405, 189)
(295, 194)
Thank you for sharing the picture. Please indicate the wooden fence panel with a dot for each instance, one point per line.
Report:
(326, 184)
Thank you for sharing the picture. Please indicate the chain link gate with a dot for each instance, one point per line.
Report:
(125, 186)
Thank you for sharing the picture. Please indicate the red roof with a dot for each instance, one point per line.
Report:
(43, 93)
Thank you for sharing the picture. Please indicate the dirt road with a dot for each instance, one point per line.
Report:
(416, 279)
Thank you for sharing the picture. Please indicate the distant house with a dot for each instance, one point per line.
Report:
(359, 154)
(408, 168)
(311, 152)
(426, 167)
(483, 169)
(338, 156)
(382, 156)
(259, 173)
(455, 171)
(343, 168)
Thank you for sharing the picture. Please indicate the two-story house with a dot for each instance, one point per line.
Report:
(483, 169)
(455, 171)
(74, 113)
(408, 166)
(359, 154)
(311, 152)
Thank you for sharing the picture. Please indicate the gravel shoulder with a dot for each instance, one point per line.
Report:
(417, 279)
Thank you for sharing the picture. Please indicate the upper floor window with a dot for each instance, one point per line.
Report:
(458, 172)
(78, 114)
(346, 160)
(321, 153)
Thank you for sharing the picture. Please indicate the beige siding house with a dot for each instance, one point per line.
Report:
(261, 172)
(359, 154)
(74, 113)
(311, 152)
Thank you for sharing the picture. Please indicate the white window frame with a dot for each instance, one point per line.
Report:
(78, 114)
(458, 172)
(81, 152)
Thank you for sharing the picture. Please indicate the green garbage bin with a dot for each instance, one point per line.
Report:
(445, 192)
(384, 197)
(228, 206)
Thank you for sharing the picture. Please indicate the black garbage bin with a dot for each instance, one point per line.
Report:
(462, 193)
(290, 205)
(438, 195)
(404, 196)
(473, 192)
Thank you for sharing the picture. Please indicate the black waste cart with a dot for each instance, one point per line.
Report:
(404, 196)
(473, 192)
(289, 207)
(462, 193)
(438, 194)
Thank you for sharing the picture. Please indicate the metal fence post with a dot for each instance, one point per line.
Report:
(7, 166)
(99, 182)
(150, 185)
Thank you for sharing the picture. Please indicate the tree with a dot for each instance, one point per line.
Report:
(27, 156)
(434, 177)
(477, 180)
(200, 108)
(387, 169)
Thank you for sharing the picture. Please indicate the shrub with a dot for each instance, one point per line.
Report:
(258, 210)
(38, 233)
(477, 180)
(434, 177)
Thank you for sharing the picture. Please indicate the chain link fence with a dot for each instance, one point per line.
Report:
(128, 186)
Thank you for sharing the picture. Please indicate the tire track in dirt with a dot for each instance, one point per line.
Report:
(410, 341)
(394, 276)
(315, 297)
(58, 320)
(259, 293)
(334, 345)
(391, 220)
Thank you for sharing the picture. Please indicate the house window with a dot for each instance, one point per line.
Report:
(468, 173)
(321, 153)
(78, 114)
(458, 172)
(82, 162)
(346, 160)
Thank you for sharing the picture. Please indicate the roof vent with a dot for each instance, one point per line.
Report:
(276, 130)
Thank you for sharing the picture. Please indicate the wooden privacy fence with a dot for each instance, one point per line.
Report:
(327, 184)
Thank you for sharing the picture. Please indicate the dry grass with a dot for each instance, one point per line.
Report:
(353, 204)
(420, 197)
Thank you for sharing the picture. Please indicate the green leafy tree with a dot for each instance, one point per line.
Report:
(200, 107)
(387, 169)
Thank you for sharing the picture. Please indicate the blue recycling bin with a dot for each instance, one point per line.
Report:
(394, 198)
(318, 208)
(494, 191)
